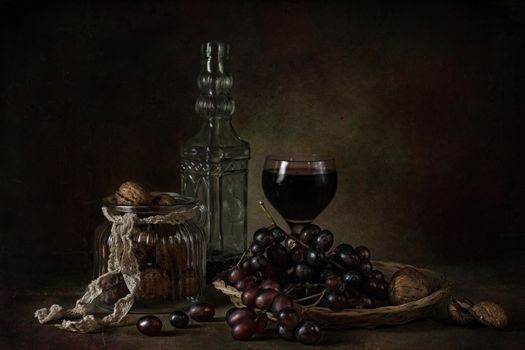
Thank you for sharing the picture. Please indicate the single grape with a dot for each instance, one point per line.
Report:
(315, 258)
(348, 259)
(363, 253)
(335, 300)
(361, 302)
(326, 273)
(365, 267)
(248, 297)
(344, 247)
(179, 319)
(285, 333)
(324, 241)
(303, 273)
(229, 312)
(381, 290)
(308, 333)
(376, 275)
(257, 249)
(202, 312)
(288, 318)
(270, 284)
(236, 274)
(244, 330)
(265, 298)
(263, 237)
(278, 234)
(246, 265)
(332, 282)
(258, 262)
(261, 322)
(370, 286)
(240, 315)
(281, 302)
(297, 255)
(352, 279)
(246, 283)
(149, 325)
(278, 255)
(309, 233)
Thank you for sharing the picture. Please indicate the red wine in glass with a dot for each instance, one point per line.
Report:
(299, 187)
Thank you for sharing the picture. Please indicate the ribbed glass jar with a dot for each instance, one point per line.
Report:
(171, 257)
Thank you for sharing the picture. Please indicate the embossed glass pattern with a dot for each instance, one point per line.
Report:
(214, 162)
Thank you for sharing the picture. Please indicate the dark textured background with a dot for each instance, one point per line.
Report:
(420, 103)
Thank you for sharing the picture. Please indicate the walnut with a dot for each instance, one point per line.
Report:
(165, 253)
(164, 199)
(131, 193)
(408, 284)
(140, 251)
(490, 314)
(155, 284)
(459, 310)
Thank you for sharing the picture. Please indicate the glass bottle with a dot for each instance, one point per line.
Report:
(214, 162)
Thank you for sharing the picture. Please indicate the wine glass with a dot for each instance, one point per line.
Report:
(299, 186)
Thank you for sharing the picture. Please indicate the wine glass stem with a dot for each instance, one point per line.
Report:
(297, 227)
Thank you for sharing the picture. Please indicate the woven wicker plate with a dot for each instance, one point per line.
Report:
(365, 318)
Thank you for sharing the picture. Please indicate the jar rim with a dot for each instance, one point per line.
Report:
(183, 204)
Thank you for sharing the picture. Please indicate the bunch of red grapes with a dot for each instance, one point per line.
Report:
(281, 269)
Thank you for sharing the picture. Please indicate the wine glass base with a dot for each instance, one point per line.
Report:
(297, 226)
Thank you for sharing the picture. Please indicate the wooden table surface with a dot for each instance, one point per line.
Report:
(500, 281)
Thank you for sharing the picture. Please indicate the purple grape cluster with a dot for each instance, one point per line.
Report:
(280, 269)
(267, 296)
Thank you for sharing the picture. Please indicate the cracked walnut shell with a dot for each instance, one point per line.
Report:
(459, 310)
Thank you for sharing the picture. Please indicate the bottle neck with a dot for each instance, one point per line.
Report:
(216, 139)
(215, 83)
(213, 65)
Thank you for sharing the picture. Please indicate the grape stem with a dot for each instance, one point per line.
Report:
(320, 298)
(289, 290)
(263, 207)
(318, 295)
(243, 255)
(333, 262)
(308, 297)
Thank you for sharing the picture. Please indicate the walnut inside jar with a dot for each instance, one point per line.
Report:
(155, 284)
(164, 199)
(132, 193)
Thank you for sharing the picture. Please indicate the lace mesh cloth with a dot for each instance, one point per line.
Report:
(121, 261)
